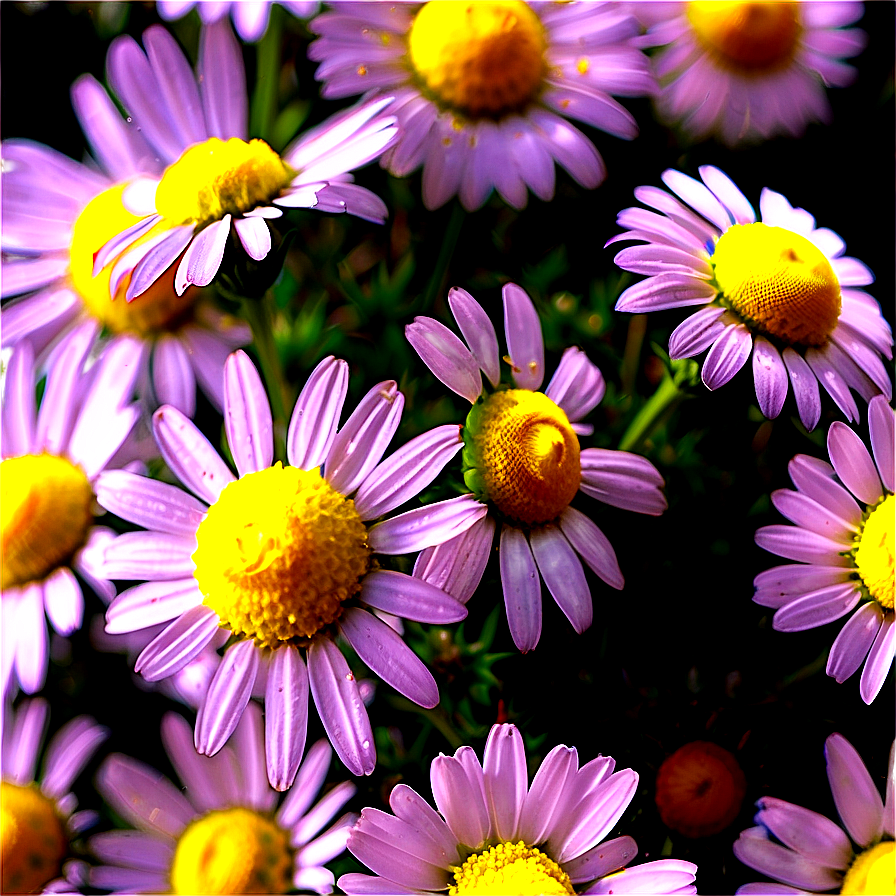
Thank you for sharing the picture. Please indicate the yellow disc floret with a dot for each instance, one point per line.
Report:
(872, 872)
(45, 514)
(33, 839)
(278, 554)
(510, 869)
(522, 455)
(217, 178)
(232, 851)
(481, 59)
(874, 552)
(779, 282)
(157, 309)
(756, 36)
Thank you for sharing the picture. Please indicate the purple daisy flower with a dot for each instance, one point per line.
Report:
(51, 459)
(809, 853)
(483, 90)
(250, 17)
(844, 542)
(216, 180)
(493, 833)
(227, 833)
(39, 817)
(523, 465)
(281, 559)
(780, 289)
(749, 71)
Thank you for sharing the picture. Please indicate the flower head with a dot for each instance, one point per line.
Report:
(523, 466)
(216, 179)
(483, 90)
(228, 833)
(250, 17)
(803, 849)
(843, 540)
(745, 70)
(281, 559)
(51, 458)
(494, 833)
(779, 289)
(38, 818)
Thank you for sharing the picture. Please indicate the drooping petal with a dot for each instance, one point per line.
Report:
(877, 667)
(728, 354)
(563, 574)
(881, 423)
(805, 388)
(592, 545)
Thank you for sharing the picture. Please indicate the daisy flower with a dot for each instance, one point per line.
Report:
(51, 458)
(281, 559)
(493, 833)
(809, 853)
(250, 17)
(523, 466)
(226, 833)
(747, 70)
(217, 181)
(58, 213)
(843, 539)
(483, 90)
(779, 289)
(39, 818)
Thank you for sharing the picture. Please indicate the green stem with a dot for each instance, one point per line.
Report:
(628, 369)
(657, 409)
(258, 314)
(438, 718)
(449, 243)
(267, 79)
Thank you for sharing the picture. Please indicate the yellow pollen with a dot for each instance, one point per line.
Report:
(278, 554)
(872, 872)
(33, 839)
(779, 282)
(510, 869)
(217, 178)
(874, 552)
(751, 37)
(45, 514)
(522, 455)
(481, 59)
(232, 851)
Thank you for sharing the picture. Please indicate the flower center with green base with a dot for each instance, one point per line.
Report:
(872, 872)
(232, 851)
(752, 37)
(33, 839)
(218, 178)
(278, 554)
(510, 869)
(45, 515)
(521, 454)
(779, 282)
(156, 310)
(481, 59)
(874, 552)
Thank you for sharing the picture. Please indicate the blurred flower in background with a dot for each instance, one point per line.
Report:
(250, 17)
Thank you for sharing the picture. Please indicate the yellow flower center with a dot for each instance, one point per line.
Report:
(232, 851)
(33, 839)
(779, 282)
(510, 869)
(157, 309)
(45, 514)
(522, 455)
(751, 37)
(874, 552)
(278, 554)
(872, 872)
(217, 178)
(481, 59)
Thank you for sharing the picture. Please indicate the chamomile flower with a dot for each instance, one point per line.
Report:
(51, 458)
(483, 90)
(843, 539)
(217, 182)
(281, 559)
(250, 17)
(748, 70)
(494, 833)
(779, 289)
(228, 832)
(523, 466)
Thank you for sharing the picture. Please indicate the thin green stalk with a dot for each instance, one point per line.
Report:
(437, 717)
(449, 243)
(634, 340)
(267, 79)
(258, 314)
